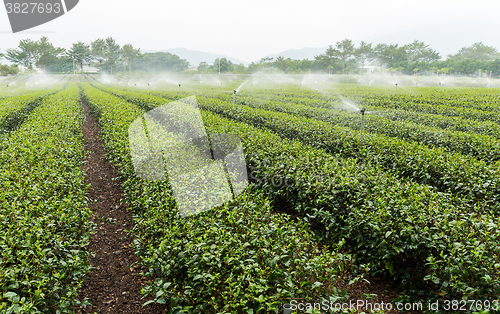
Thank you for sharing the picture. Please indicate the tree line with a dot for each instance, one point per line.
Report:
(344, 57)
(411, 59)
(106, 53)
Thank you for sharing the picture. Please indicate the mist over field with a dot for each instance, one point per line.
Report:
(214, 157)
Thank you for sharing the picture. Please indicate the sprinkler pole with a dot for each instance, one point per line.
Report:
(179, 92)
(396, 89)
(234, 96)
(362, 117)
(287, 308)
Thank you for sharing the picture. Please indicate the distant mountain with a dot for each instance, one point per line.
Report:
(300, 54)
(194, 57)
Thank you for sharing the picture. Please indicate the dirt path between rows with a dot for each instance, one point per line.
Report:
(114, 284)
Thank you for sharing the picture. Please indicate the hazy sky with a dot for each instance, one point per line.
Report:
(249, 30)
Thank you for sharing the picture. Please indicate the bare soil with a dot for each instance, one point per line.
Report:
(115, 283)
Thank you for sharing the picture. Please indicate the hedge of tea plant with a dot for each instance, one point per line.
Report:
(413, 104)
(44, 224)
(373, 101)
(14, 109)
(483, 147)
(474, 181)
(407, 229)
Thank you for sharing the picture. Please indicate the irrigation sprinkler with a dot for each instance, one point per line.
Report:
(148, 85)
(396, 89)
(287, 308)
(362, 117)
(234, 96)
(179, 92)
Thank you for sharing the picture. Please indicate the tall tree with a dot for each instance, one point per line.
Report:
(344, 50)
(225, 65)
(112, 52)
(129, 53)
(418, 51)
(8, 70)
(327, 59)
(391, 54)
(202, 66)
(98, 51)
(46, 52)
(477, 51)
(364, 54)
(80, 53)
(25, 54)
(161, 62)
(281, 63)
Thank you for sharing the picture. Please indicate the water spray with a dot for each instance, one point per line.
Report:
(234, 96)
(362, 117)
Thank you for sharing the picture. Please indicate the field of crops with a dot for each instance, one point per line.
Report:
(413, 196)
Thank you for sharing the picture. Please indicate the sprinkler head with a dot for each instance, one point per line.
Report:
(179, 85)
(396, 84)
(234, 91)
(363, 111)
